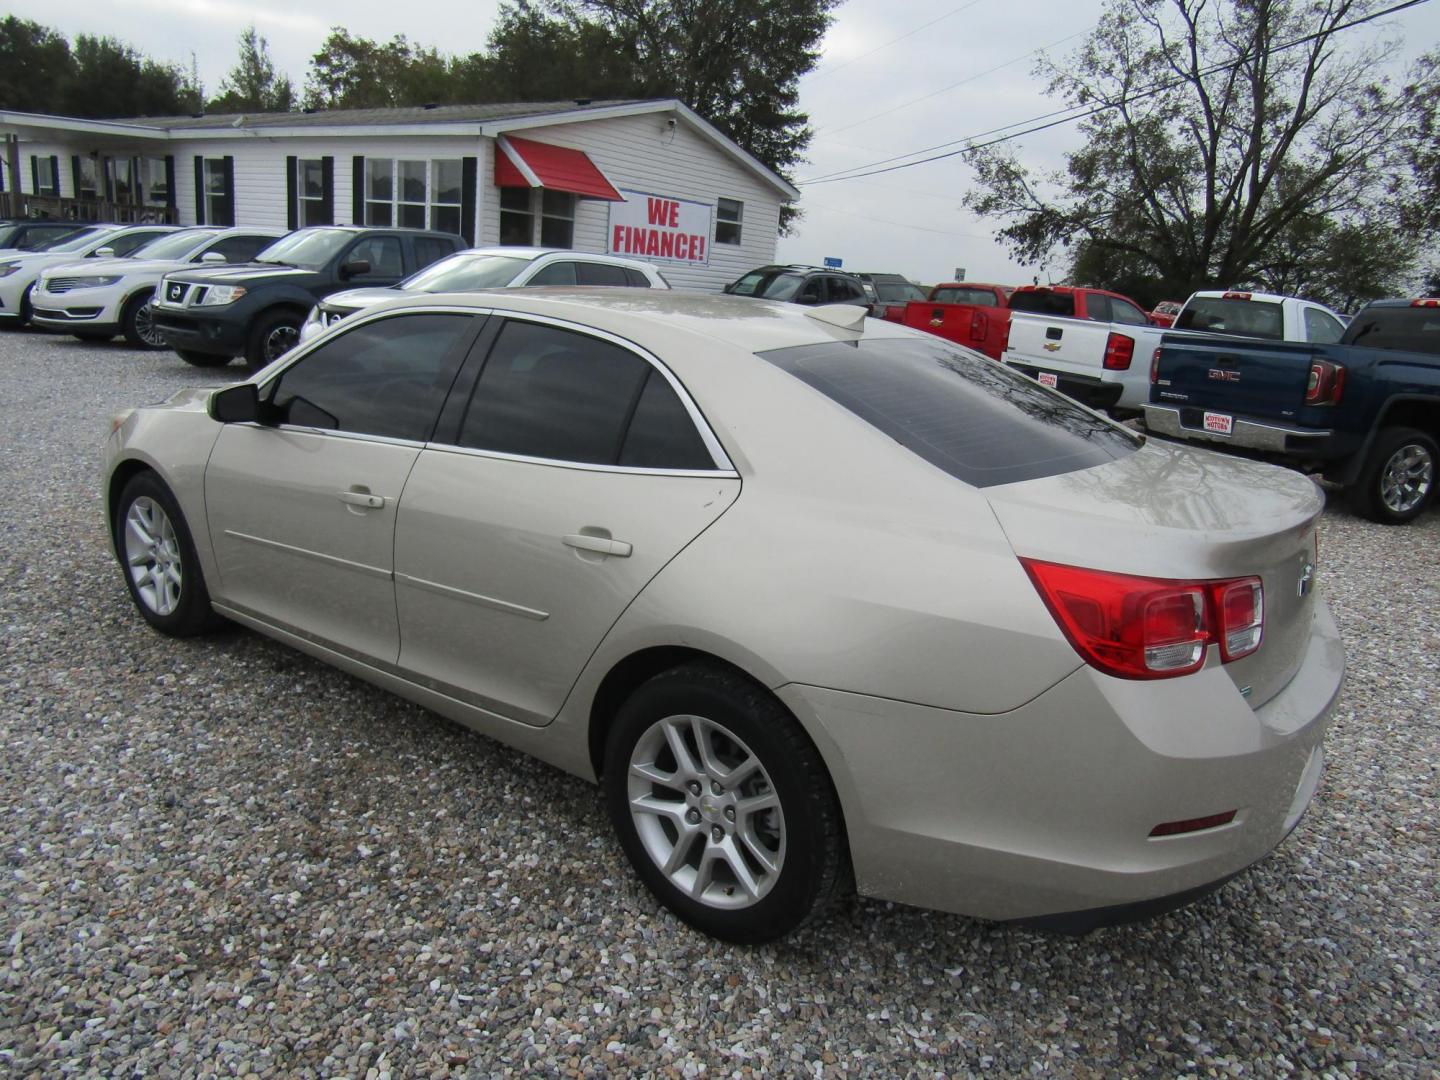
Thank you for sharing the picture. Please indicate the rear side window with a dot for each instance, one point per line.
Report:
(126, 245)
(1097, 308)
(1044, 302)
(557, 273)
(386, 378)
(429, 249)
(636, 279)
(599, 274)
(1412, 329)
(551, 393)
(1243, 318)
(240, 249)
(1322, 328)
(1122, 311)
(963, 413)
(978, 297)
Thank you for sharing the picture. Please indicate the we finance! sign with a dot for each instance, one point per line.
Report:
(660, 228)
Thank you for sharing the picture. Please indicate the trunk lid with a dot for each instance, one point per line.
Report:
(1253, 378)
(1174, 512)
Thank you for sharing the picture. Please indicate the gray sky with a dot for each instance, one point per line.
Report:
(958, 68)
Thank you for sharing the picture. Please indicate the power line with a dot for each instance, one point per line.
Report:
(897, 224)
(925, 26)
(1080, 113)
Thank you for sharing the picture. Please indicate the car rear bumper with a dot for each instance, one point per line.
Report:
(1172, 422)
(1098, 393)
(1046, 812)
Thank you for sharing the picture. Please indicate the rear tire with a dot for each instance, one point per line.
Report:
(275, 334)
(27, 310)
(138, 324)
(203, 359)
(724, 806)
(1397, 481)
(158, 560)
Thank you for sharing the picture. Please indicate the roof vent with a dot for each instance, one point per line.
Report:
(582, 101)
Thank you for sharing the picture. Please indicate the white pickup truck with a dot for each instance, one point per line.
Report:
(1098, 346)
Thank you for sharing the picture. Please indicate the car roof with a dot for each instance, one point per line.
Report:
(535, 253)
(653, 318)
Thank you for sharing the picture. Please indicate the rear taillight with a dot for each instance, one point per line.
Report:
(1150, 628)
(1327, 383)
(1155, 367)
(1119, 351)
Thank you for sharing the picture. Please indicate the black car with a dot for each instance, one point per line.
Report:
(256, 310)
(889, 291)
(810, 285)
(36, 235)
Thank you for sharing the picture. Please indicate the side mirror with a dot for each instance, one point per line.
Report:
(213, 257)
(354, 268)
(104, 253)
(236, 404)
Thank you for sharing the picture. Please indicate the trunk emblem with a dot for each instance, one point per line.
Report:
(1052, 346)
(937, 322)
(1221, 375)
(1306, 579)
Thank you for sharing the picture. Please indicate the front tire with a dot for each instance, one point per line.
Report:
(137, 323)
(274, 335)
(157, 557)
(724, 806)
(202, 359)
(1397, 481)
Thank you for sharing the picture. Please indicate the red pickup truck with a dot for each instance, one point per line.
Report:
(967, 312)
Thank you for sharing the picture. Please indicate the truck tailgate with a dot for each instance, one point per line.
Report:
(1258, 379)
(965, 324)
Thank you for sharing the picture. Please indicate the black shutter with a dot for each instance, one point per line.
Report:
(199, 190)
(55, 174)
(469, 180)
(292, 192)
(327, 190)
(357, 189)
(170, 189)
(109, 165)
(229, 191)
(75, 173)
(34, 174)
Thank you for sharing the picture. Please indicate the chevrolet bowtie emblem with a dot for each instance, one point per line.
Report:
(1052, 346)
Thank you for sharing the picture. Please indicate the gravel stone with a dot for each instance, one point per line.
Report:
(223, 859)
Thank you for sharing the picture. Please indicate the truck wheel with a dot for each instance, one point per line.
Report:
(137, 323)
(274, 335)
(203, 359)
(1397, 481)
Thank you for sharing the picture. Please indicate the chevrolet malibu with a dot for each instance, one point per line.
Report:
(821, 602)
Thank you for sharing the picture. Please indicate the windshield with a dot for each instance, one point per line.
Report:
(309, 249)
(962, 412)
(771, 284)
(960, 294)
(462, 273)
(173, 245)
(1243, 318)
(76, 241)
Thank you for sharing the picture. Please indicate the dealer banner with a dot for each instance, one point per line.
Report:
(660, 228)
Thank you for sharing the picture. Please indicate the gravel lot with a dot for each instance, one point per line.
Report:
(223, 858)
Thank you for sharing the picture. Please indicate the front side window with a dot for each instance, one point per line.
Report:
(556, 394)
(963, 413)
(310, 188)
(517, 219)
(1097, 308)
(383, 253)
(386, 378)
(729, 216)
(1122, 311)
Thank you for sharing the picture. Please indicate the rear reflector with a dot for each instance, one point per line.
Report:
(1119, 351)
(1175, 828)
(1150, 628)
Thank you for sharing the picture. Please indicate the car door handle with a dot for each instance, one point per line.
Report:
(362, 498)
(601, 544)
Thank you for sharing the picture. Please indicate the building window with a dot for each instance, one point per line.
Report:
(517, 219)
(154, 181)
(217, 198)
(379, 191)
(410, 187)
(120, 176)
(88, 186)
(445, 195)
(728, 216)
(310, 190)
(557, 219)
(46, 182)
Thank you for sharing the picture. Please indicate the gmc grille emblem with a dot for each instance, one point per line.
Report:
(1221, 375)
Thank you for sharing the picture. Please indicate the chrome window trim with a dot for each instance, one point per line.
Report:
(580, 466)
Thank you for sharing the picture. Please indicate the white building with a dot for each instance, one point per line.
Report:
(646, 178)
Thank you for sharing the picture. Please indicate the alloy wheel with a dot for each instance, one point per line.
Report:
(152, 553)
(280, 341)
(1406, 478)
(145, 328)
(706, 812)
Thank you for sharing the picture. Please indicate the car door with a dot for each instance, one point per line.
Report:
(301, 509)
(576, 469)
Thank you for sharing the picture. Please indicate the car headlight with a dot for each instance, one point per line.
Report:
(6, 269)
(217, 295)
(94, 281)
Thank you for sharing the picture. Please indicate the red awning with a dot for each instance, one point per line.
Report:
(528, 164)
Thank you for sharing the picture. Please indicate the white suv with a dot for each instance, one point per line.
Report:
(18, 272)
(97, 300)
(493, 268)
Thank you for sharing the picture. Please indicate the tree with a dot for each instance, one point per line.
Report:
(1231, 142)
(253, 85)
(32, 59)
(355, 73)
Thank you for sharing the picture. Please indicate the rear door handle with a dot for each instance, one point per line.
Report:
(362, 498)
(601, 544)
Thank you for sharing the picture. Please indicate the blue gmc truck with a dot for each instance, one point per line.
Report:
(1364, 412)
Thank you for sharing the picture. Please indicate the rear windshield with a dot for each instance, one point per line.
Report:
(948, 294)
(1243, 318)
(463, 272)
(1044, 302)
(962, 412)
(895, 291)
(1412, 329)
